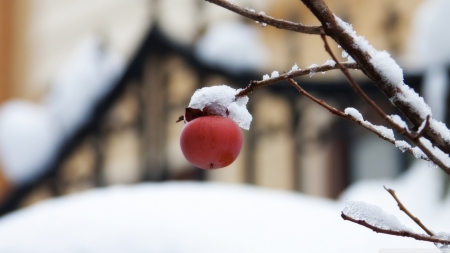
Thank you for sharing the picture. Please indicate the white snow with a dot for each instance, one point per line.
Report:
(330, 62)
(30, 134)
(441, 128)
(408, 95)
(295, 67)
(265, 77)
(313, 71)
(402, 145)
(444, 236)
(398, 121)
(381, 60)
(274, 74)
(220, 99)
(354, 113)
(373, 215)
(189, 217)
(234, 46)
(89, 75)
(443, 157)
(389, 69)
(29, 139)
(382, 130)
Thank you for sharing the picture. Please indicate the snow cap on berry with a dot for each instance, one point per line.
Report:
(221, 100)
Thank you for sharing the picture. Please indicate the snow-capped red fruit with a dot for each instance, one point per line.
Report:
(211, 142)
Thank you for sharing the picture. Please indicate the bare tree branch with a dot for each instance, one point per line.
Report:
(407, 212)
(420, 237)
(265, 19)
(291, 74)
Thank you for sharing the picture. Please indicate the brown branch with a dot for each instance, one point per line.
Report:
(407, 212)
(347, 117)
(291, 74)
(265, 19)
(346, 41)
(396, 127)
(420, 237)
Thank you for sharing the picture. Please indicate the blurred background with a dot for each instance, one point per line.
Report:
(90, 91)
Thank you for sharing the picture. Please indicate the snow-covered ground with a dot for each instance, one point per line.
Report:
(208, 217)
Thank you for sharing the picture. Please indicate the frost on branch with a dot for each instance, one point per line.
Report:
(373, 215)
(221, 100)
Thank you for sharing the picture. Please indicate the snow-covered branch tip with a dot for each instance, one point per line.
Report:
(264, 19)
(374, 218)
(294, 72)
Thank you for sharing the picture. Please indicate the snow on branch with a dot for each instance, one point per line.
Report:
(264, 19)
(373, 217)
(367, 223)
(294, 72)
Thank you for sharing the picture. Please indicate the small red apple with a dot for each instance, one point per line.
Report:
(211, 142)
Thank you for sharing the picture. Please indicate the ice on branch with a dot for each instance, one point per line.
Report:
(295, 67)
(265, 77)
(373, 215)
(389, 69)
(222, 101)
(381, 130)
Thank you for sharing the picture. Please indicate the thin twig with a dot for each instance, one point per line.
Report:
(407, 212)
(318, 101)
(420, 237)
(291, 74)
(265, 19)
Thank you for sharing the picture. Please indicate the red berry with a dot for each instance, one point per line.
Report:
(211, 142)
